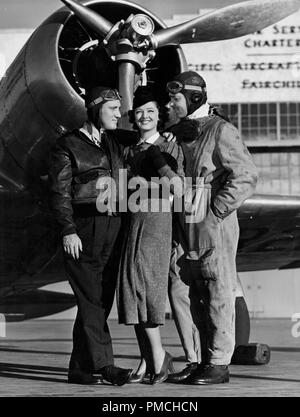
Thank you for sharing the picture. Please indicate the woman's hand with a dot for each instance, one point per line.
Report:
(72, 245)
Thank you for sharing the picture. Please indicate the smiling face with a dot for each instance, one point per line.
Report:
(179, 105)
(109, 114)
(146, 117)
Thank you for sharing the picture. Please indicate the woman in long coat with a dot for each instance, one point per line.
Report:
(145, 259)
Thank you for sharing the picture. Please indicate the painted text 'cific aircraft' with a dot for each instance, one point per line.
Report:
(118, 44)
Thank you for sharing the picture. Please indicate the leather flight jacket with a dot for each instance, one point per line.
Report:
(76, 164)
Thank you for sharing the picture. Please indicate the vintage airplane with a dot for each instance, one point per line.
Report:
(118, 44)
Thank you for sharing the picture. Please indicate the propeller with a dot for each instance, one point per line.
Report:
(94, 21)
(108, 31)
(132, 43)
(226, 23)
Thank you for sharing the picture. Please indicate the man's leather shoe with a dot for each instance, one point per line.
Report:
(114, 375)
(85, 379)
(209, 374)
(179, 377)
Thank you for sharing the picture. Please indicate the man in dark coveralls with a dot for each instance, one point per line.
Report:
(222, 176)
(78, 161)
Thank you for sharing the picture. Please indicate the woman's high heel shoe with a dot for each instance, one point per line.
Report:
(164, 371)
(137, 378)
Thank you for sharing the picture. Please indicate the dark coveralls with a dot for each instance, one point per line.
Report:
(206, 235)
(76, 165)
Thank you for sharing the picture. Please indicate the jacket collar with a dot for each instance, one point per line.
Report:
(91, 132)
(203, 111)
(150, 140)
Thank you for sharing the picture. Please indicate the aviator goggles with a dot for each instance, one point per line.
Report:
(175, 87)
(106, 95)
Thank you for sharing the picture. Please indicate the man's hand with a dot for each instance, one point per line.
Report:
(169, 136)
(72, 245)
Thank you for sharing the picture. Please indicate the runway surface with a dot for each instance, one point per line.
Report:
(35, 354)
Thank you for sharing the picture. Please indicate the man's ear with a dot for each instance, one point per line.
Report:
(196, 97)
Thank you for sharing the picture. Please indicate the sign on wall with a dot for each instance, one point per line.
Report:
(260, 67)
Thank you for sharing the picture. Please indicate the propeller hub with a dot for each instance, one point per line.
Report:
(142, 25)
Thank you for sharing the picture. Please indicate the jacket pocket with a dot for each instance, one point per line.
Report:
(206, 267)
(195, 202)
(85, 186)
(85, 192)
(88, 176)
(202, 236)
(208, 264)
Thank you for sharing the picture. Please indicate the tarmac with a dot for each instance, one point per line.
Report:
(35, 354)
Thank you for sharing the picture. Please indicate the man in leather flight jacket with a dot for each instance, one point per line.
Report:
(77, 162)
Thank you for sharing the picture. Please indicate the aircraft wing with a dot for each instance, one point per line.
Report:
(270, 233)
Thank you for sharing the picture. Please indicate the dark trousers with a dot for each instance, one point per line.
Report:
(94, 289)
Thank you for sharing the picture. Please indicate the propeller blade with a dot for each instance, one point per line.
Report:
(92, 19)
(226, 23)
(126, 89)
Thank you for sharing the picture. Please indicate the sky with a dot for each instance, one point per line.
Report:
(30, 13)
